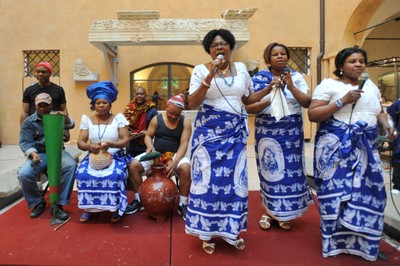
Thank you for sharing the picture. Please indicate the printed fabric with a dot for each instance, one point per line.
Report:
(218, 201)
(279, 148)
(350, 188)
(103, 190)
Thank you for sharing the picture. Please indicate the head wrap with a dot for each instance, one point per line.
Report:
(46, 65)
(42, 98)
(101, 90)
(177, 101)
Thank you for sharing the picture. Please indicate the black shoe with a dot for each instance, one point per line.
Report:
(60, 213)
(38, 209)
(134, 207)
(182, 211)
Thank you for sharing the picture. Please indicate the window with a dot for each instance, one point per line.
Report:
(300, 59)
(33, 57)
(161, 81)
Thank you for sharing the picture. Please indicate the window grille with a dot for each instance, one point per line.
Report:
(33, 57)
(300, 59)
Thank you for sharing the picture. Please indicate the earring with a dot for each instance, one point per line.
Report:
(341, 72)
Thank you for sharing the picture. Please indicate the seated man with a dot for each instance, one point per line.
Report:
(32, 143)
(139, 113)
(171, 133)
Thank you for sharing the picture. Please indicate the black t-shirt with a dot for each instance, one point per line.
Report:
(56, 93)
(167, 139)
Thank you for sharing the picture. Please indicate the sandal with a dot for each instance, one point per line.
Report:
(115, 217)
(265, 222)
(239, 244)
(285, 225)
(85, 217)
(209, 247)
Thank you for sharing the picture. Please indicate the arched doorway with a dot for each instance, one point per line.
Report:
(165, 79)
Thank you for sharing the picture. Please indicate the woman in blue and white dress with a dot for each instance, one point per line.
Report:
(218, 200)
(101, 180)
(279, 138)
(347, 167)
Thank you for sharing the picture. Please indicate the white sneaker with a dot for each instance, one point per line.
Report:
(395, 192)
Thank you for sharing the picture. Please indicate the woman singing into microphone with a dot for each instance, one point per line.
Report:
(218, 199)
(347, 168)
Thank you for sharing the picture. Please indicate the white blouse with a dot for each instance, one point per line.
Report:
(104, 133)
(367, 107)
(227, 98)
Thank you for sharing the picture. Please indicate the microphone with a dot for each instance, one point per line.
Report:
(363, 79)
(220, 57)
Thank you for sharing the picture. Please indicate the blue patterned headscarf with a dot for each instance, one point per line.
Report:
(101, 90)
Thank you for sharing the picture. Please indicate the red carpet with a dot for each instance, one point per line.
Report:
(138, 240)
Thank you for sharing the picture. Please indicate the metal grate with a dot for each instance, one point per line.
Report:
(300, 59)
(33, 57)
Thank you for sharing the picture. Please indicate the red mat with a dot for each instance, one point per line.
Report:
(138, 240)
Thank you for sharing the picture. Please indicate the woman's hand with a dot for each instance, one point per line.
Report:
(391, 133)
(108, 145)
(352, 96)
(94, 148)
(287, 78)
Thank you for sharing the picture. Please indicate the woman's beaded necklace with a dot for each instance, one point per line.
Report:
(221, 74)
(105, 128)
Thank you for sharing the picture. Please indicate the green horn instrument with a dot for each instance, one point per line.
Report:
(53, 136)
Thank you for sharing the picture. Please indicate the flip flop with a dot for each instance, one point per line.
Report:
(85, 217)
(265, 222)
(209, 247)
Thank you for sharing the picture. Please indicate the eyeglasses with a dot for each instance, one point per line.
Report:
(221, 44)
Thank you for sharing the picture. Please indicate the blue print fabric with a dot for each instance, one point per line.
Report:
(218, 201)
(350, 188)
(279, 148)
(103, 190)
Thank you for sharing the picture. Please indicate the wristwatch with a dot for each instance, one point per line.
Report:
(339, 103)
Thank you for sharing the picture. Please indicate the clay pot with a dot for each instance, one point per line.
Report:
(158, 193)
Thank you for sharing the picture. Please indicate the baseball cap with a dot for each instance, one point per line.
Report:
(42, 98)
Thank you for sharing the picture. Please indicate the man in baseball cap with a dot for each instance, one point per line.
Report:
(32, 144)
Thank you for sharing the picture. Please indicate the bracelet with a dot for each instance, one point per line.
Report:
(205, 83)
(339, 103)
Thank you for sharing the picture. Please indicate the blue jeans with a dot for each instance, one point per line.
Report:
(27, 179)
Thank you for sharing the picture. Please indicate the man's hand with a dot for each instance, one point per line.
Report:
(35, 158)
(67, 136)
(170, 169)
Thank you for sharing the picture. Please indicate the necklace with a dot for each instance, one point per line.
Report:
(98, 128)
(221, 74)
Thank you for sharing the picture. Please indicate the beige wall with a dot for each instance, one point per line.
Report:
(64, 25)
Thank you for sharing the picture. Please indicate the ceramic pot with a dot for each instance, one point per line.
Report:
(158, 193)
